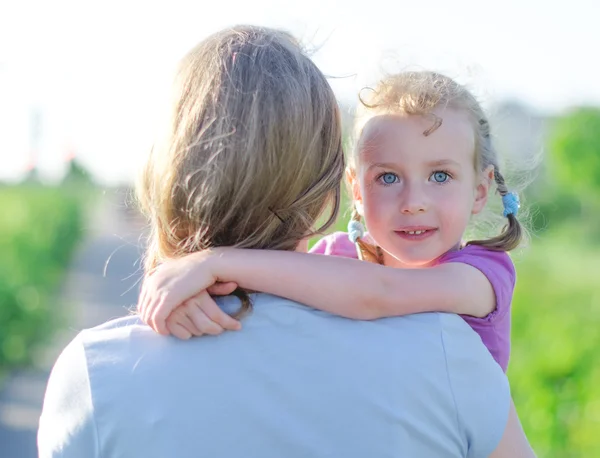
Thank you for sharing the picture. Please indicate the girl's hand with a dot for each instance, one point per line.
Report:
(182, 282)
(201, 315)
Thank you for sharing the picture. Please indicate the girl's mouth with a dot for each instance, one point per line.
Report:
(416, 234)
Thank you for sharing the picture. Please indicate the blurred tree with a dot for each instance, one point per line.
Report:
(31, 176)
(77, 174)
(574, 163)
(575, 153)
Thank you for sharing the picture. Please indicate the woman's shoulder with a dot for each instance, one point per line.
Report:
(112, 330)
(117, 342)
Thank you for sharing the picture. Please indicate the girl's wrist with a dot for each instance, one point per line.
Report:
(217, 260)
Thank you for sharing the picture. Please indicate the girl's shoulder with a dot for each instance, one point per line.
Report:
(482, 258)
(335, 244)
(499, 269)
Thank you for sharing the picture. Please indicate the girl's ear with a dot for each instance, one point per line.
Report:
(482, 190)
(355, 188)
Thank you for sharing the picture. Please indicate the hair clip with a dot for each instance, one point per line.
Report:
(511, 203)
(276, 214)
(356, 230)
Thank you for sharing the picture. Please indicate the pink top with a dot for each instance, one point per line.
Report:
(494, 329)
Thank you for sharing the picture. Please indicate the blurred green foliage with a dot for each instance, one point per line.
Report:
(555, 367)
(39, 229)
(555, 364)
(567, 193)
(574, 152)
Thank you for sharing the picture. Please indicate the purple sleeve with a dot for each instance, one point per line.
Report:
(336, 244)
(498, 269)
(494, 329)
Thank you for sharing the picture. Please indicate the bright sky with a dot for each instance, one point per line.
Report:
(96, 72)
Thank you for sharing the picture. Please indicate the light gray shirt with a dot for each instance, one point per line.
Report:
(294, 382)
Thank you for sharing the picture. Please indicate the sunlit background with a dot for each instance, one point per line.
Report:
(82, 90)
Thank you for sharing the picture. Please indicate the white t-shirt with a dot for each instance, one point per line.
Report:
(294, 382)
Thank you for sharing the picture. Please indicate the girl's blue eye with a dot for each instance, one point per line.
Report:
(389, 178)
(440, 177)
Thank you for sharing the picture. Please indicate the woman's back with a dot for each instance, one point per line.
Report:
(296, 383)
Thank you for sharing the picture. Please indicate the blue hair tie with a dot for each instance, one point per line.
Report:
(355, 230)
(511, 203)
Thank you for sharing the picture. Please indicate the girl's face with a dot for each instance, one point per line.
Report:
(418, 192)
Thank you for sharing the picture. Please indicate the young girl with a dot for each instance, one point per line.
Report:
(423, 164)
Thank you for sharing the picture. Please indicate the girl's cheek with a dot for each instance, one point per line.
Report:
(371, 195)
(377, 201)
(451, 199)
(368, 192)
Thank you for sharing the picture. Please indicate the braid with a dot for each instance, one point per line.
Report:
(500, 184)
(364, 250)
(512, 233)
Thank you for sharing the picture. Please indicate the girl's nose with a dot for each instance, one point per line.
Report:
(413, 200)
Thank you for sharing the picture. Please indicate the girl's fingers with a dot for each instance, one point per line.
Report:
(186, 321)
(203, 314)
(222, 289)
(204, 323)
(206, 304)
(160, 312)
(145, 309)
(201, 321)
(179, 331)
(180, 319)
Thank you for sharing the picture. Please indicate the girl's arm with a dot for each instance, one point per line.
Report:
(342, 286)
(356, 289)
(514, 443)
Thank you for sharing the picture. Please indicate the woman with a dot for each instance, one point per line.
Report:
(252, 158)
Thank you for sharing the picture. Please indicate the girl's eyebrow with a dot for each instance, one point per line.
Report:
(381, 165)
(438, 163)
(443, 162)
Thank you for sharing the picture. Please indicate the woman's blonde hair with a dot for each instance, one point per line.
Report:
(253, 150)
(419, 93)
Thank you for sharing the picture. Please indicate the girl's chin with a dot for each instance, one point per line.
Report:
(408, 262)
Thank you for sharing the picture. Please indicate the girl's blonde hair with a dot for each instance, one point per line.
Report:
(419, 93)
(253, 150)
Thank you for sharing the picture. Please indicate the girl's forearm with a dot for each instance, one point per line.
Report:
(342, 286)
